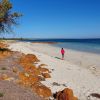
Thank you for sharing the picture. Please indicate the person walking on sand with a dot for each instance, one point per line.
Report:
(62, 52)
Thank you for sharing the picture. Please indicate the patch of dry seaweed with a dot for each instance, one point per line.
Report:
(95, 95)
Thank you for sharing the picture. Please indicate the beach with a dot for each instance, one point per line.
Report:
(87, 60)
(79, 71)
(83, 59)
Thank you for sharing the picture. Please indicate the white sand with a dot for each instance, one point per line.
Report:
(82, 59)
(83, 81)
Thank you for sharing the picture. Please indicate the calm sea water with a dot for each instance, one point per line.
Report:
(86, 45)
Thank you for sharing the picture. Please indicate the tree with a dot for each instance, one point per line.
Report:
(7, 18)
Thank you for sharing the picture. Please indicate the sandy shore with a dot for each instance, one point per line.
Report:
(79, 70)
(82, 59)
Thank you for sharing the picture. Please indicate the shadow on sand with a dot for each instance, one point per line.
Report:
(58, 58)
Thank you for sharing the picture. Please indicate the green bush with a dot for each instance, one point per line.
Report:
(1, 94)
(3, 68)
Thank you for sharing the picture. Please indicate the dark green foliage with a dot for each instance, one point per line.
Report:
(3, 68)
(4, 49)
(1, 94)
(7, 19)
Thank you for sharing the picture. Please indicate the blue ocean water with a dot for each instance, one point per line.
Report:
(86, 45)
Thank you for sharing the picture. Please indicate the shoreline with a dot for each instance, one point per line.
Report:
(83, 59)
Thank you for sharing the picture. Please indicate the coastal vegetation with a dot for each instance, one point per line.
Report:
(1, 94)
(7, 17)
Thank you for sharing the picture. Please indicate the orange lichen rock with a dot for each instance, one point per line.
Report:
(27, 62)
(4, 54)
(31, 76)
(29, 58)
(2, 45)
(66, 94)
(35, 72)
(31, 69)
(27, 79)
(42, 90)
(46, 75)
(4, 51)
(14, 69)
(28, 66)
(43, 70)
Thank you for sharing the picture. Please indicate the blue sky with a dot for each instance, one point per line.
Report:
(58, 18)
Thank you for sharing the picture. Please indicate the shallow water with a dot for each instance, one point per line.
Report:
(80, 46)
(86, 45)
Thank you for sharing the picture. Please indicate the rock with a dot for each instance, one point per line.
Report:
(15, 70)
(27, 79)
(41, 78)
(28, 66)
(29, 58)
(66, 94)
(33, 80)
(27, 75)
(46, 75)
(2, 45)
(43, 70)
(5, 54)
(31, 76)
(35, 72)
(42, 90)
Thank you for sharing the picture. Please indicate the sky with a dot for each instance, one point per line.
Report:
(57, 19)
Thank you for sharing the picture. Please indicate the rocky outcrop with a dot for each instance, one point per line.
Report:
(27, 79)
(5, 54)
(29, 58)
(66, 94)
(43, 70)
(4, 51)
(2, 45)
(32, 75)
(29, 76)
(46, 75)
(42, 90)
(11, 85)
